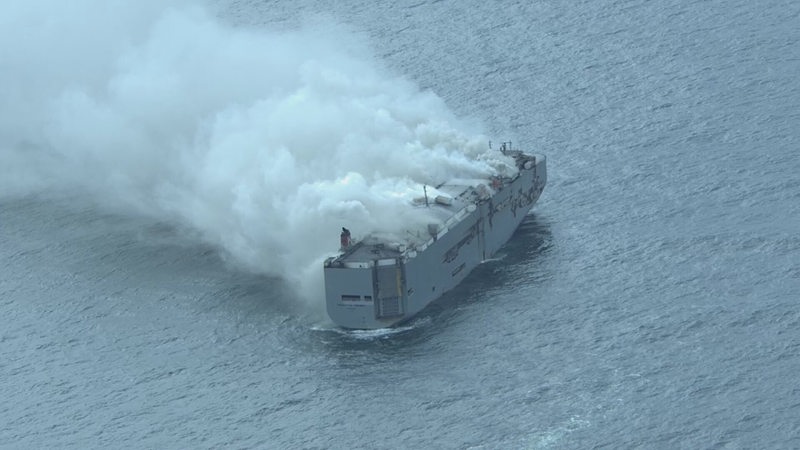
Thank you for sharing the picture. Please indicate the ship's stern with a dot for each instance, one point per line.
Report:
(365, 295)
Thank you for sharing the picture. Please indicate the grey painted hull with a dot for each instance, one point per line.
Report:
(377, 285)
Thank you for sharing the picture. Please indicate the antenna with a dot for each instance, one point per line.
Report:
(425, 189)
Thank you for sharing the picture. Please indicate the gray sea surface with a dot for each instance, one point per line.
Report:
(649, 301)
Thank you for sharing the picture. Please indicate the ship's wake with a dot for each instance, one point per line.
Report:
(497, 257)
(264, 143)
(378, 333)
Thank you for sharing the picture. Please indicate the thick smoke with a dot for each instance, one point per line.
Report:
(265, 143)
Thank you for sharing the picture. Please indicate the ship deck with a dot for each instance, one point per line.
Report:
(447, 203)
(459, 193)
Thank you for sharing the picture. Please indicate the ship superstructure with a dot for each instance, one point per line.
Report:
(376, 283)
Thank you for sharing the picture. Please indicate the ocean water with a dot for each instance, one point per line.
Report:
(649, 301)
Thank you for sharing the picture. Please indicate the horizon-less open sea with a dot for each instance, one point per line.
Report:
(649, 301)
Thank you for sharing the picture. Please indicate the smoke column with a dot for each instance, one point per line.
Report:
(265, 143)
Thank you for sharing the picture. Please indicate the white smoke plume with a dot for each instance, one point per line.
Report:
(265, 143)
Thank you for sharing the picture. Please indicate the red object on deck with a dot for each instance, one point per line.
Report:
(345, 237)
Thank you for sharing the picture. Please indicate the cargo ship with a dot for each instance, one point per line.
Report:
(377, 283)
